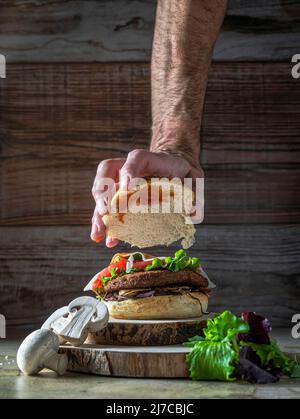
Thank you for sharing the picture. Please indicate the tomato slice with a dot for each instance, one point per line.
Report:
(105, 272)
(141, 264)
(119, 266)
(119, 256)
(97, 284)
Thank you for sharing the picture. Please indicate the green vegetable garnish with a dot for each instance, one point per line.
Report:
(137, 256)
(271, 356)
(177, 263)
(114, 275)
(227, 351)
(215, 356)
(212, 361)
(156, 264)
(225, 327)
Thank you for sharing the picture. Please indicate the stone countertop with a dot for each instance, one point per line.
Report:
(13, 385)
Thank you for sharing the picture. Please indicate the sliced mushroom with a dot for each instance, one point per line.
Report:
(86, 315)
(73, 323)
(58, 321)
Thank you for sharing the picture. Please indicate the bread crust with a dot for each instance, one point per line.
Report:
(164, 307)
(161, 220)
(156, 278)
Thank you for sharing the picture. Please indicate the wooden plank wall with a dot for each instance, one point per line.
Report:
(78, 91)
(121, 30)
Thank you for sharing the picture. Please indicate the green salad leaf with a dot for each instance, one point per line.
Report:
(272, 357)
(225, 327)
(177, 263)
(215, 356)
(212, 361)
(218, 355)
(192, 341)
(155, 264)
(106, 279)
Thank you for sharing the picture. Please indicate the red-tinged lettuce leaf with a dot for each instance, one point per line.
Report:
(225, 327)
(273, 359)
(251, 370)
(260, 327)
(212, 361)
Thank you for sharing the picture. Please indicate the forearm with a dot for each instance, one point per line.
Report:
(185, 34)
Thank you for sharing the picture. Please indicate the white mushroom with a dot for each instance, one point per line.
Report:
(57, 322)
(40, 350)
(87, 315)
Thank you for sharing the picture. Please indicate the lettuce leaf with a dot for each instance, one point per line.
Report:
(272, 358)
(177, 263)
(215, 356)
(155, 264)
(232, 347)
(192, 341)
(225, 327)
(212, 361)
(250, 369)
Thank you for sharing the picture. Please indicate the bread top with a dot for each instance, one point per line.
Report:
(154, 191)
(156, 278)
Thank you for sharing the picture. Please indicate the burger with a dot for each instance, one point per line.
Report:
(143, 287)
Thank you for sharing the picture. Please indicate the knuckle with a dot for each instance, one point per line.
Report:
(104, 164)
(137, 153)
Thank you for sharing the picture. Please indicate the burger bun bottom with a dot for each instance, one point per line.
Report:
(190, 305)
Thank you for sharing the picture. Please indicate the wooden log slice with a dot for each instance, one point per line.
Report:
(142, 362)
(148, 332)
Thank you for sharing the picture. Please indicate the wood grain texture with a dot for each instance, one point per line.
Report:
(57, 122)
(158, 361)
(255, 268)
(155, 362)
(148, 333)
(122, 30)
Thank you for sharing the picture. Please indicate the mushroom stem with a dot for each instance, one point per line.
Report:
(57, 363)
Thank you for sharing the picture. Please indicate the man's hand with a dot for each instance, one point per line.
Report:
(185, 33)
(139, 163)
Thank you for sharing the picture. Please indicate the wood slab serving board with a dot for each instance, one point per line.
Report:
(148, 332)
(137, 348)
(128, 361)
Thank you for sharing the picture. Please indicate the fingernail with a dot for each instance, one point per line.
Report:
(110, 242)
(95, 234)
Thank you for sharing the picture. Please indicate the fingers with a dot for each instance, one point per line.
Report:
(140, 163)
(103, 190)
(110, 242)
(104, 183)
(98, 227)
(99, 231)
(133, 167)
